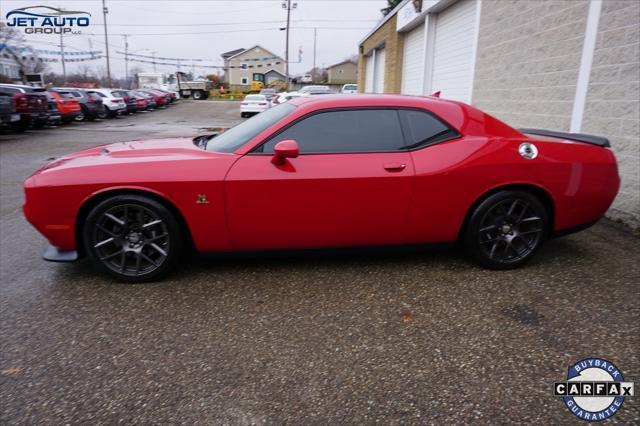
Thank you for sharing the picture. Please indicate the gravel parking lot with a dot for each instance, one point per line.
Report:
(390, 336)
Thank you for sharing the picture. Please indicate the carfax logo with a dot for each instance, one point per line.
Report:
(595, 389)
(48, 20)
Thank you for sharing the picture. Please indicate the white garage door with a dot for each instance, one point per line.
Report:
(412, 62)
(453, 51)
(368, 75)
(378, 81)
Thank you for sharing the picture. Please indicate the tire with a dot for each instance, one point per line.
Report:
(20, 127)
(506, 229)
(243, 115)
(133, 238)
(198, 95)
(82, 116)
(104, 113)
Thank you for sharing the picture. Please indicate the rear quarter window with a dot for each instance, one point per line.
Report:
(423, 129)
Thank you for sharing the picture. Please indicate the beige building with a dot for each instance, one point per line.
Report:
(567, 65)
(342, 73)
(242, 66)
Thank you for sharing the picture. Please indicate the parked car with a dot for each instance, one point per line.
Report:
(67, 106)
(172, 96)
(253, 104)
(30, 102)
(142, 104)
(349, 88)
(285, 96)
(112, 105)
(159, 97)
(316, 90)
(90, 103)
(269, 93)
(129, 100)
(151, 99)
(55, 118)
(393, 170)
(8, 114)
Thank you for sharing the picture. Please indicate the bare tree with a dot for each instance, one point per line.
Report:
(9, 36)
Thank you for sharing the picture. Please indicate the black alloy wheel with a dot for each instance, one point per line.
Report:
(507, 229)
(133, 238)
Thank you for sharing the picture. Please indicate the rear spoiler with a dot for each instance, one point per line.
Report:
(580, 137)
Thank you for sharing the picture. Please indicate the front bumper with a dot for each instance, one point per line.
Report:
(54, 254)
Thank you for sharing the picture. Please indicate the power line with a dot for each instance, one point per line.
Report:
(239, 23)
(237, 31)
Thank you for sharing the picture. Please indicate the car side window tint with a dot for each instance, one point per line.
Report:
(423, 129)
(345, 131)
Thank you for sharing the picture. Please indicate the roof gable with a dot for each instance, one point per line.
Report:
(239, 54)
(342, 63)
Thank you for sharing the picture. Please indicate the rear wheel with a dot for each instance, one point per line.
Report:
(82, 114)
(103, 113)
(198, 95)
(133, 238)
(506, 229)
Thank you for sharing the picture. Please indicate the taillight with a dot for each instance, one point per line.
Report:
(244, 103)
(115, 101)
(262, 103)
(20, 101)
(275, 101)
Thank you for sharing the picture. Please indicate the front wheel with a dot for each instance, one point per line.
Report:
(133, 238)
(506, 229)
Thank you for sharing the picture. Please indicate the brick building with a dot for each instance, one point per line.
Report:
(568, 65)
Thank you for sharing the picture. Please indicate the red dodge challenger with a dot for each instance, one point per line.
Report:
(325, 171)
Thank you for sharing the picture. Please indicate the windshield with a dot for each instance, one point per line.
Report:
(254, 98)
(350, 87)
(237, 136)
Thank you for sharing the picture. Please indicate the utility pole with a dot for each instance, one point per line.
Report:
(126, 61)
(106, 40)
(154, 61)
(64, 66)
(313, 75)
(287, 5)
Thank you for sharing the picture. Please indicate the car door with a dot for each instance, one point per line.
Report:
(351, 184)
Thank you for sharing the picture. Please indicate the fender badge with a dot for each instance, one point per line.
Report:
(528, 150)
(202, 199)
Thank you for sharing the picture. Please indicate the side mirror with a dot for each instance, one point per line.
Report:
(283, 150)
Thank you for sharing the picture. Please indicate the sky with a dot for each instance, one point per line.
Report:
(215, 26)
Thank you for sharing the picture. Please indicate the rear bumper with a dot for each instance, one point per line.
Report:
(54, 254)
(70, 115)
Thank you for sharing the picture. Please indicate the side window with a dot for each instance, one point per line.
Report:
(244, 80)
(366, 130)
(424, 129)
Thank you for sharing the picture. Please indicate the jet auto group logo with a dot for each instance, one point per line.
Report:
(48, 20)
(595, 389)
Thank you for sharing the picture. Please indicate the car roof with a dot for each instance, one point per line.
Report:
(465, 118)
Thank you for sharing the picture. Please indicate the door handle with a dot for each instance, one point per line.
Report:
(394, 167)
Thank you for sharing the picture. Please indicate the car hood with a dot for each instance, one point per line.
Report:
(145, 151)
